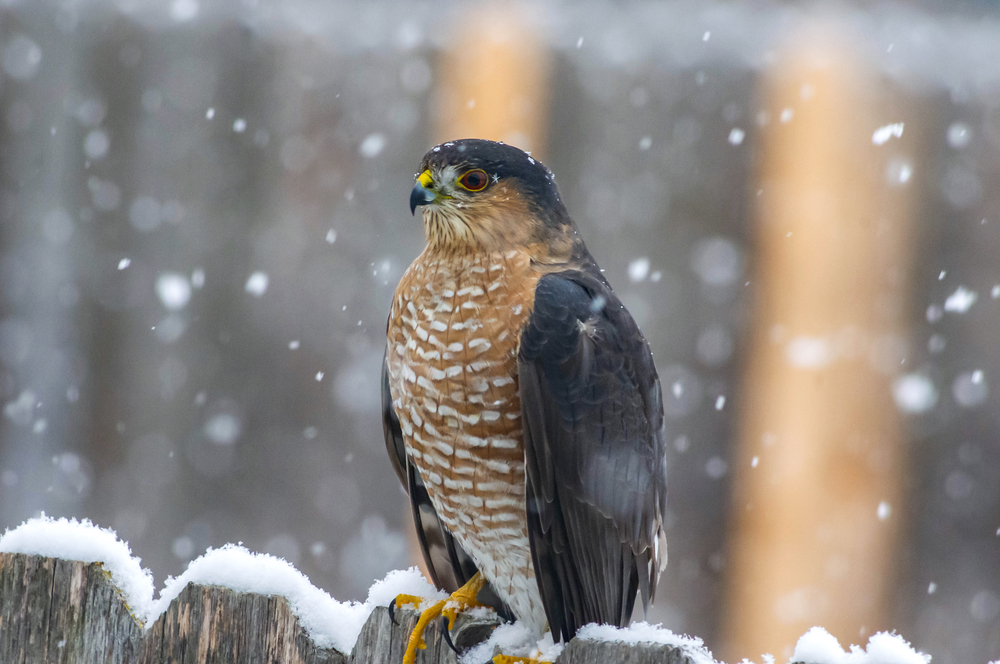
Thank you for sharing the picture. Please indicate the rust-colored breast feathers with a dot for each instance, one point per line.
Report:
(452, 354)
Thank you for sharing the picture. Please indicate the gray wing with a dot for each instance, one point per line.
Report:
(595, 453)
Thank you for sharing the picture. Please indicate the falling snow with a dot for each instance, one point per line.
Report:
(959, 135)
(22, 58)
(914, 393)
(809, 352)
(883, 134)
(970, 388)
(638, 269)
(961, 300)
(257, 284)
(372, 145)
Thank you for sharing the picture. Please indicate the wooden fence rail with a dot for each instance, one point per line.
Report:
(68, 612)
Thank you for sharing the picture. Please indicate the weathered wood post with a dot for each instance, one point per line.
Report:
(68, 612)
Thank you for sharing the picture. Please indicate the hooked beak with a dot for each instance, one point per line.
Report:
(422, 194)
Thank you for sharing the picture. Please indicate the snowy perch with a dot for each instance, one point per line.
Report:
(71, 592)
(54, 610)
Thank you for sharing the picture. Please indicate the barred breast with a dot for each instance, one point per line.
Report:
(452, 361)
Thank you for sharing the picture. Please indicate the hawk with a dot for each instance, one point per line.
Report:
(521, 408)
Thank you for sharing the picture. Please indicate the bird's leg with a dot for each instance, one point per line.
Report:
(462, 599)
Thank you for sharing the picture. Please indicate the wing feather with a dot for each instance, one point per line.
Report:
(594, 451)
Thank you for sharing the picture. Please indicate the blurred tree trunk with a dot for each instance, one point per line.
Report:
(494, 80)
(819, 463)
(42, 361)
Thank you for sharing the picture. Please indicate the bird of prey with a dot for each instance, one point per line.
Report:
(521, 408)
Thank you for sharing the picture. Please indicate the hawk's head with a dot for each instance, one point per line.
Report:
(478, 194)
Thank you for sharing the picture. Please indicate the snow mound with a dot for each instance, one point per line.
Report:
(643, 632)
(402, 582)
(335, 624)
(70, 539)
(817, 646)
(328, 622)
(513, 639)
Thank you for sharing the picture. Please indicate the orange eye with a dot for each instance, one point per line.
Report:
(474, 180)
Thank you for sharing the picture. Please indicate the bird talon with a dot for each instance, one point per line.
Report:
(510, 659)
(446, 632)
(460, 600)
(401, 601)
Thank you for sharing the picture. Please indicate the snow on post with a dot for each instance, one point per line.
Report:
(327, 622)
(817, 646)
(235, 605)
(70, 539)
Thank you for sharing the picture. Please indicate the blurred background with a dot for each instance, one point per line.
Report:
(203, 217)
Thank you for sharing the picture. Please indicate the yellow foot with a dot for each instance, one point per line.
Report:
(404, 600)
(462, 599)
(510, 659)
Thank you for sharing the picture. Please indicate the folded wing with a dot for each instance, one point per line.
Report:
(594, 451)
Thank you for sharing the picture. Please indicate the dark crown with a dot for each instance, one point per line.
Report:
(505, 163)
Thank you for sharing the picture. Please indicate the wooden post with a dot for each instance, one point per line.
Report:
(818, 465)
(64, 611)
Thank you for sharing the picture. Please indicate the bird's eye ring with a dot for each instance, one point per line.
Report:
(474, 180)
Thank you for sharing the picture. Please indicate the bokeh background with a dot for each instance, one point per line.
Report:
(203, 217)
